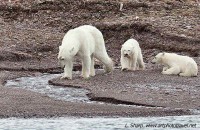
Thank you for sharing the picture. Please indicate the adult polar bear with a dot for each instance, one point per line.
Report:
(86, 42)
(131, 56)
(176, 64)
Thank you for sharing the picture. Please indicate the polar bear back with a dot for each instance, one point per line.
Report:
(184, 62)
(131, 43)
(84, 37)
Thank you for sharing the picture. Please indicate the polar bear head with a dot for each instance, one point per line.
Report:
(127, 51)
(158, 58)
(65, 55)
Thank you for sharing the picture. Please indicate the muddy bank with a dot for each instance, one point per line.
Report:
(145, 88)
(27, 104)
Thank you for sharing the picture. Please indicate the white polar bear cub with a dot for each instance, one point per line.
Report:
(176, 64)
(131, 56)
(86, 42)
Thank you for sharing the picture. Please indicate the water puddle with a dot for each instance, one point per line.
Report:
(40, 84)
(103, 123)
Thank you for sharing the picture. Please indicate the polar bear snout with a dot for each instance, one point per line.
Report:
(62, 66)
(126, 55)
(61, 63)
(153, 61)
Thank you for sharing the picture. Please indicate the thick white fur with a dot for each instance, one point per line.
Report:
(87, 43)
(131, 56)
(176, 64)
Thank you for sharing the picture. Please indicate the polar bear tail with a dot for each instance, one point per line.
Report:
(106, 60)
(109, 65)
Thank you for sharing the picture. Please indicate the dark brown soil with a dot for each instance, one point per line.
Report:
(32, 30)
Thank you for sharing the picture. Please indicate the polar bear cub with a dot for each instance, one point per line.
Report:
(131, 56)
(176, 64)
(87, 43)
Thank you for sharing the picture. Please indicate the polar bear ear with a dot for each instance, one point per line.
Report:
(71, 50)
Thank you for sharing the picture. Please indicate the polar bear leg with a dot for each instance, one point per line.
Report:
(92, 70)
(190, 70)
(137, 66)
(125, 63)
(140, 61)
(86, 63)
(173, 70)
(133, 63)
(68, 70)
(107, 62)
(185, 74)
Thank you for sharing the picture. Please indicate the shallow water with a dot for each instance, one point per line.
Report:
(40, 84)
(100, 123)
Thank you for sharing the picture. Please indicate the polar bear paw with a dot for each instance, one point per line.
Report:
(165, 72)
(124, 69)
(165, 68)
(66, 77)
(184, 74)
(85, 76)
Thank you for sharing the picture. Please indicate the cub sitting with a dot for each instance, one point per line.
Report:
(176, 64)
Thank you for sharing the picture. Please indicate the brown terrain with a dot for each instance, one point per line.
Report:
(32, 30)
